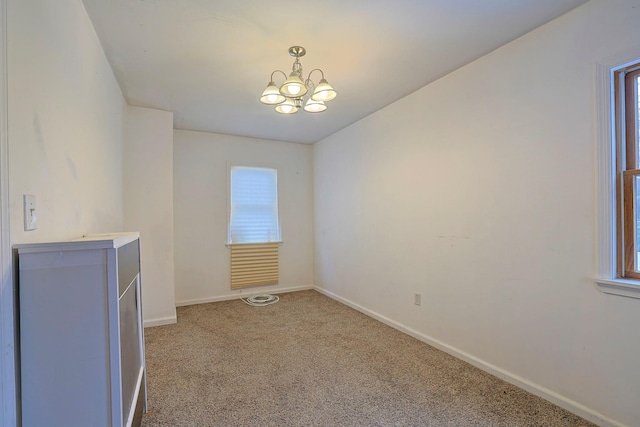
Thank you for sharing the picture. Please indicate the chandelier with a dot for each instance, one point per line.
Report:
(296, 91)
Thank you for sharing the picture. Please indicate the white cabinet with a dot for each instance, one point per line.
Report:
(81, 332)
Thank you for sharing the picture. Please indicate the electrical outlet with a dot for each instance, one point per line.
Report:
(417, 298)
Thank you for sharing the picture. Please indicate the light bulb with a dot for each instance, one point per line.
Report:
(314, 106)
(294, 89)
(323, 92)
(271, 95)
(287, 107)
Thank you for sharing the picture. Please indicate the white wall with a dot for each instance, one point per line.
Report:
(202, 264)
(477, 191)
(65, 123)
(148, 206)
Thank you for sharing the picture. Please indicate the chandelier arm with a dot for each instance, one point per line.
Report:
(315, 69)
(310, 85)
(278, 71)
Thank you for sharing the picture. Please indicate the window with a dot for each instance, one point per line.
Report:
(617, 273)
(253, 209)
(627, 128)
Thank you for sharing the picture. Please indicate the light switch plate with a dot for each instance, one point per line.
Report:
(30, 220)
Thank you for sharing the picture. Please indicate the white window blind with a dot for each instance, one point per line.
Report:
(254, 205)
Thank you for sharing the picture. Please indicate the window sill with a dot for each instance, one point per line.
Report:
(255, 243)
(622, 287)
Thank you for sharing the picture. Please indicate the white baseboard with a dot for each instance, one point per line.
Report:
(525, 384)
(160, 321)
(242, 293)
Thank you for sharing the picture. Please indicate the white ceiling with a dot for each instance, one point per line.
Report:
(208, 61)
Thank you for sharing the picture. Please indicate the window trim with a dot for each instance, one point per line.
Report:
(607, 279)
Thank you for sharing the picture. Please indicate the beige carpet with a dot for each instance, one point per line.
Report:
(311, 361)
